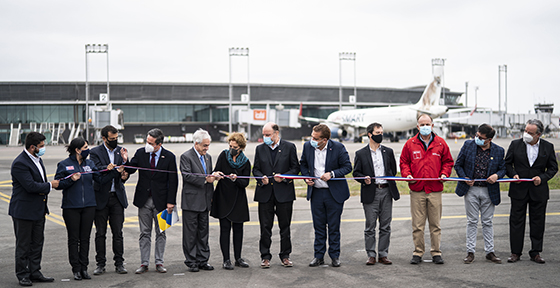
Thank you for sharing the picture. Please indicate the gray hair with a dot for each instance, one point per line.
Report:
(200, 135)
(538, 123)
(158, 134)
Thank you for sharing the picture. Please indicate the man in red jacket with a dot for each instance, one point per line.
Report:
(426, 155)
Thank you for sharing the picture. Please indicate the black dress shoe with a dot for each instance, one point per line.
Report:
(206, 267)
(316, 262)
(77, 276)
(25, 282)
(193, 268)
(241, 263)
(99, 270)
(85, 275)
(335, 262)
(42, 278)
(227, 265)
(120, 269)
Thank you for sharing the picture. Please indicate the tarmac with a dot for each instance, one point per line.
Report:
(352, 273)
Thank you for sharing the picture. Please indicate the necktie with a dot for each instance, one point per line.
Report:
(203, 163)
(153, 162)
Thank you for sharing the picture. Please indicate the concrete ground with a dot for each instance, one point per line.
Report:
(353, 271)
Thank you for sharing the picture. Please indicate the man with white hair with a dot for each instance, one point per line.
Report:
(196, 169)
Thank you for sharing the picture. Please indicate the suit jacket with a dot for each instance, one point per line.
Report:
(101, 159)
(197, 194)
(29, 189)
(464, 166)
(337, 161)
(285, 162)
(161, 185)
(363, 166)
(517, 163)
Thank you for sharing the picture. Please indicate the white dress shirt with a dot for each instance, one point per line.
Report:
(319, 166)
(533, 152)
(37, 161)
(378, 167)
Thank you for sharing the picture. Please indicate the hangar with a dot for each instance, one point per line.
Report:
(179, 108)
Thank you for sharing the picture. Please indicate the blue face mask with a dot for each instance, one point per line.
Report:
(425, 130)
(84, 153)
(267, 140)
(41, 151)
(314, 143)
(479, 141)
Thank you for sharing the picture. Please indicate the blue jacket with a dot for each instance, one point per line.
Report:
(80, 193)
(464, 165)
(337, 161)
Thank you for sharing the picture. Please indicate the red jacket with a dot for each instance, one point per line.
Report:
(426, 163)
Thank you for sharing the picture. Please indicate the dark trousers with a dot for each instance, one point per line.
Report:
(195, 238)
(537, 211)
(79, 222)
(283, 211)
(326, 213)
(29, 247)
(225, 228)
(114, 213)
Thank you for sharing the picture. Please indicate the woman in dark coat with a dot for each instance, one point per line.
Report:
(229, 202)
(78, 202)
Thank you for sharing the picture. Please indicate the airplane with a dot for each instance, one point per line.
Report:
(346, 123)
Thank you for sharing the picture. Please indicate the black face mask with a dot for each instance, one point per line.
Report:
(233, 152)
(377, 138)
(112, 144)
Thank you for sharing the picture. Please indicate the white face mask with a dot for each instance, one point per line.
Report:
(527, 137)
(149, 148)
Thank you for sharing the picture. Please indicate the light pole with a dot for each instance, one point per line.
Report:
(238, 52)
(96, 48)
(467, 94)
(476, 97)
(345, 56)
(502, 68)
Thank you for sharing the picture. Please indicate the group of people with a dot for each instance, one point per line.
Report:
(93, 192)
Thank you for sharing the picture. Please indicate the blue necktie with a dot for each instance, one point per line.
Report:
(203, 163)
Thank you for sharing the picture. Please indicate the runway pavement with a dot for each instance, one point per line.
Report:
(353, 271)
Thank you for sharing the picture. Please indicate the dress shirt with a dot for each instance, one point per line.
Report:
(274, 146)
(533, 152)
(319, 166)
(111, 154)
(37, 161)
(158, 153)
(378, 166)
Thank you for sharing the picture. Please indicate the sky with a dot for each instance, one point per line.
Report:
(292, 42)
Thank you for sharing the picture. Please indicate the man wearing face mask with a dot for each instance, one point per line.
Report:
(426, 155)
(155, 191)
(534, 158)
(376, 195)
(325, 159)
(275, 195)
(480, 159)
(110, 198)
(28, 207)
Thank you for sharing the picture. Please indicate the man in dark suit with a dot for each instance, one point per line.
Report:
(196, 202)
(110, 198)
(376, 160)
(325, 159)
(155, 191)
(529, 157)
(275, 196)
(28, 207)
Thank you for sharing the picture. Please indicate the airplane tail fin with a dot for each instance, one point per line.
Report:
(300, 109)
(431, 95)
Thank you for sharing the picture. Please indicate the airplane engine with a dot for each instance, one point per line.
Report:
(338, 132)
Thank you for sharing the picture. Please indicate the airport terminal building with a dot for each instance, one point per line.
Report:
(180, 108)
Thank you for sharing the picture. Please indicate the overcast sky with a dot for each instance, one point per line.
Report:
(292, 42)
